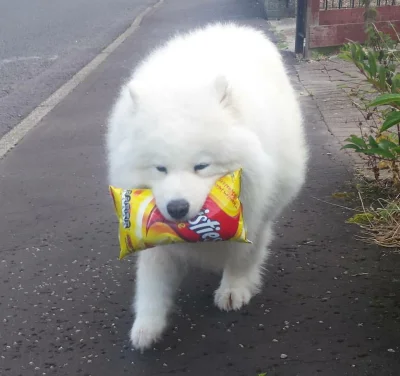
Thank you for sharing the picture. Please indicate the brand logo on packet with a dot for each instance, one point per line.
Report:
(206, 228)
(211, 224)
(142, 225)
(126, 208)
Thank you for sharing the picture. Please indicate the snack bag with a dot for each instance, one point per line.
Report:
(141, 224)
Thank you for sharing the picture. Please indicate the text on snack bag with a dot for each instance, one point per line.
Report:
(205, 227)
(126, 208)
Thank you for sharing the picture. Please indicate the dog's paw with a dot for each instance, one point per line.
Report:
(232, 298)
(145, 332)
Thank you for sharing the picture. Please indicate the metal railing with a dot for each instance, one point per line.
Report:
(346, 4)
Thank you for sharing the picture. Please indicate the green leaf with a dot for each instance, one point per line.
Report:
(386, 145)
(373, 142)
(351, 146)
(377, 151)
(361, 218)
(395, 83)
(353, 50)
(346, 56)
(358, 54)
(372, 63)
(382, 77)
(385, 99)
(357, 141)
(394, 86)
(360, 58)
(392, 119)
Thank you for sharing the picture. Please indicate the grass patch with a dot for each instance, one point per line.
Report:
(343, 195)
(281, 41)
(322, 53)
(378, 213)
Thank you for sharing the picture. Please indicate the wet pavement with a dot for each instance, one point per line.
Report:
(329, 306)
(43, 44)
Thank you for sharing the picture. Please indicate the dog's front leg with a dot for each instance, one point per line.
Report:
(242, 275)
(158, 276)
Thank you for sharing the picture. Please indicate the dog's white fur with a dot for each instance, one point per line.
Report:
(217, 95)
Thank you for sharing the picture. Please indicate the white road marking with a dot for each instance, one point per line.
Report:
(16, 134)
(26, 58)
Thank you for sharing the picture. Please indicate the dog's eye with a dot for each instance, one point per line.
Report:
(162, 169)
(200, 166)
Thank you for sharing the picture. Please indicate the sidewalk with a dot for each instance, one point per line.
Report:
(329, 303)
(327, 81)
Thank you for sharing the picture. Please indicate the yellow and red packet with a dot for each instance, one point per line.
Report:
(142, 226)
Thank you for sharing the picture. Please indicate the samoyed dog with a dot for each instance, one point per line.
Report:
(204, 104)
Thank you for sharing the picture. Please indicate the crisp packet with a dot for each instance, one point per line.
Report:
(141, 224)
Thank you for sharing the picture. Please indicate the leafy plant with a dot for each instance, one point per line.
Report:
(378, 98)
(377, 60)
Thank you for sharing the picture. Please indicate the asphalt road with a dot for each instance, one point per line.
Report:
(328, 303)
(43, 43)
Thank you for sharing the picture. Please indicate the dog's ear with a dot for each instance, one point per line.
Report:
(133, 93)
(223, 90)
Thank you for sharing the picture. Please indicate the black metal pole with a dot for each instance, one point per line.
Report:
(300, 26)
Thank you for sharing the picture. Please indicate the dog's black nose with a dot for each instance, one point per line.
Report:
(177, 209)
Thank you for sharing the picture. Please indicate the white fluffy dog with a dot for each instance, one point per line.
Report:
(204, 104)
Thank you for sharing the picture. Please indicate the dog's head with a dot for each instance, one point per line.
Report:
(178, 143)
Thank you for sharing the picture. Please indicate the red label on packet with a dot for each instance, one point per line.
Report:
(143, 226)
(211, 224)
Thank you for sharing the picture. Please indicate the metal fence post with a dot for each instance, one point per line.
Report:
(300, 26)
(312, 20)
